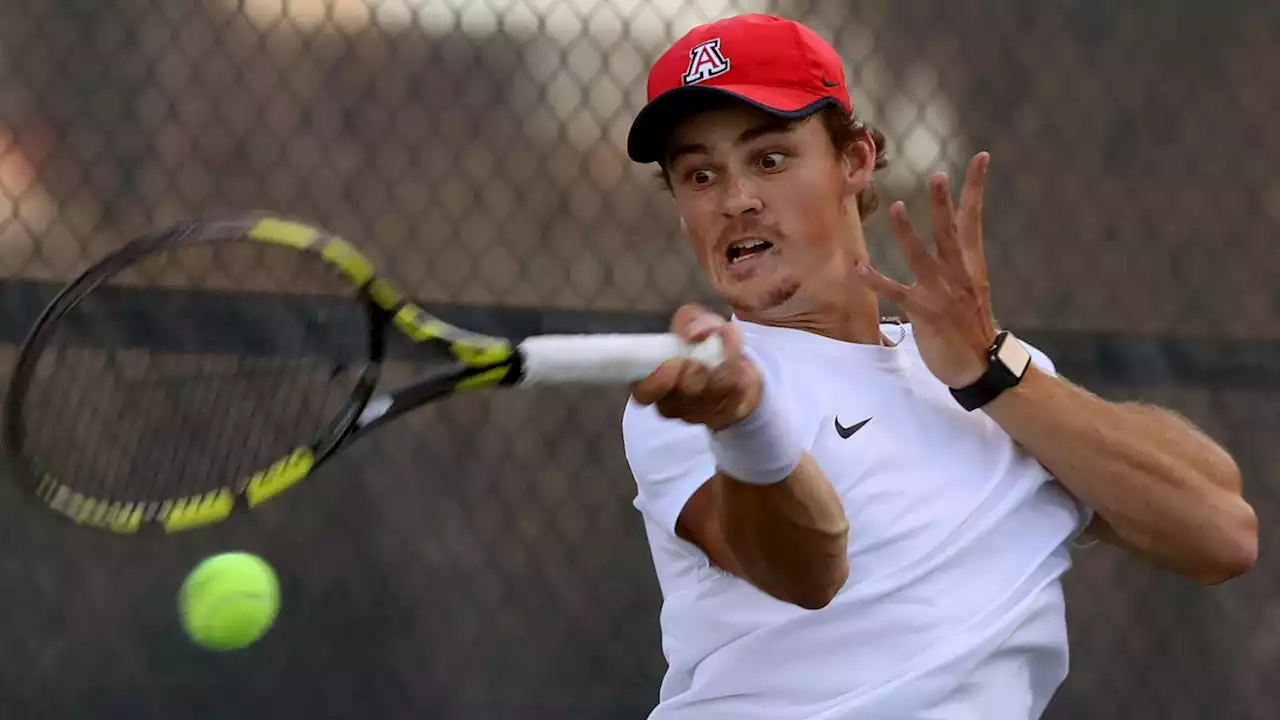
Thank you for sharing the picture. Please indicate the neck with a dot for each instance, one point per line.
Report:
(854, 318)
(835, 304)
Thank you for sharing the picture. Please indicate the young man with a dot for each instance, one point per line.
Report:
(856, 519)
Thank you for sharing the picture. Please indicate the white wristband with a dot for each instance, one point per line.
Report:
(761, 449)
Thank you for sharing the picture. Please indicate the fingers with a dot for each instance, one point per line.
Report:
(731, 336)
(890, 290)
(697, 379)
(686, 389)
(695, 323)
(957, 233)
(684, 376)
(659, 384)
(942, 217)
(694, 377)
(975, 182)
(918, 258)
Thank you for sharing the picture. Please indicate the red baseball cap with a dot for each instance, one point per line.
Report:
(768, 62)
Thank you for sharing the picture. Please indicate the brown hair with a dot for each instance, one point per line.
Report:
(844, 129)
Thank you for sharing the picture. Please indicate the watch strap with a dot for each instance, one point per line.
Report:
(1007, 363)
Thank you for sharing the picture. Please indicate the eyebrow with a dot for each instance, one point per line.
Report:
(768, 127)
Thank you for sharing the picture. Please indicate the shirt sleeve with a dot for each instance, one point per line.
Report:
(671, 459)
(1039, 358)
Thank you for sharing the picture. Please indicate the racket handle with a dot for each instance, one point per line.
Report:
(608, 358)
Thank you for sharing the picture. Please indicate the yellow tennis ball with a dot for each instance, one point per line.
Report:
(229, 601)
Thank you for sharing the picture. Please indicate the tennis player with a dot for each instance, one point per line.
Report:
(859, 519)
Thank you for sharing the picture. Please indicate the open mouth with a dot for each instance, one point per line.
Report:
(743, 249)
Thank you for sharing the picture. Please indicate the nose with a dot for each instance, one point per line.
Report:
(740, 197)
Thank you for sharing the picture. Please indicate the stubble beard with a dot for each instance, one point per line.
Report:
(746, 302)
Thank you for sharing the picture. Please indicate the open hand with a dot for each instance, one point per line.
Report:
(686, 389)
(949, 305)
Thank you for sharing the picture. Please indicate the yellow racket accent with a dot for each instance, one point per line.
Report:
(488, 378)
(347, 259)
(281, 476)
(472, 349)
(116, 516)
(180, 514)
(196, 511)
(284, 232)
(386, 296)
(121, 517)
(469, 348)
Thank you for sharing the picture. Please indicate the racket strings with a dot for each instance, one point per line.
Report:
(159, 392)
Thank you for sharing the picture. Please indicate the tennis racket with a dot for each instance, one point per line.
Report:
(209, 367)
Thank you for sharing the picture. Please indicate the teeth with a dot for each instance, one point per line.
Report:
(740, 250)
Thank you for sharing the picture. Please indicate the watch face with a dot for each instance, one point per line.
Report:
(1013, 355)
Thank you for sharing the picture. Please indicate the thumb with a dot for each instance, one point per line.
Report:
(731, 336)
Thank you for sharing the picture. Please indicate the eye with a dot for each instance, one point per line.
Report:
(772, 161)
(701, 176)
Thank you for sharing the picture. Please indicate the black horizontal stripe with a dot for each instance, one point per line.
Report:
(223, 318)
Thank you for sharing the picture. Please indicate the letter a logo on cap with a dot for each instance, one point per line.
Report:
(705, 62)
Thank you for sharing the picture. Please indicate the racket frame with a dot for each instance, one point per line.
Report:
(478, 362)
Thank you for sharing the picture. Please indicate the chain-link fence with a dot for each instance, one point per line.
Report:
(476, 148)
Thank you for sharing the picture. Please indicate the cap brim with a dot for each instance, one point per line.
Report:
(647, 140)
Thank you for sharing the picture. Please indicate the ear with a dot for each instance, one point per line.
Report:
(859, 162)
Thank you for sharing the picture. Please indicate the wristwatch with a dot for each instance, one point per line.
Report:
(1007, 362)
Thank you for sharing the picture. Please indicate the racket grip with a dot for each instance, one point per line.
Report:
(608, 358)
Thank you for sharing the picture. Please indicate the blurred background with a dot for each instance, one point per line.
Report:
(491, 564)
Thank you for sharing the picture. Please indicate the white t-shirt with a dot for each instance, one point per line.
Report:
(957, 540)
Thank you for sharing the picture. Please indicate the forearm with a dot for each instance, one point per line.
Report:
(1166, 490)
(789, 539)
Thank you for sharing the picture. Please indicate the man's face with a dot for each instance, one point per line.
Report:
(766, 204)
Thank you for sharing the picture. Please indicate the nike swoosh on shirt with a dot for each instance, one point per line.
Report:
(847, 432)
